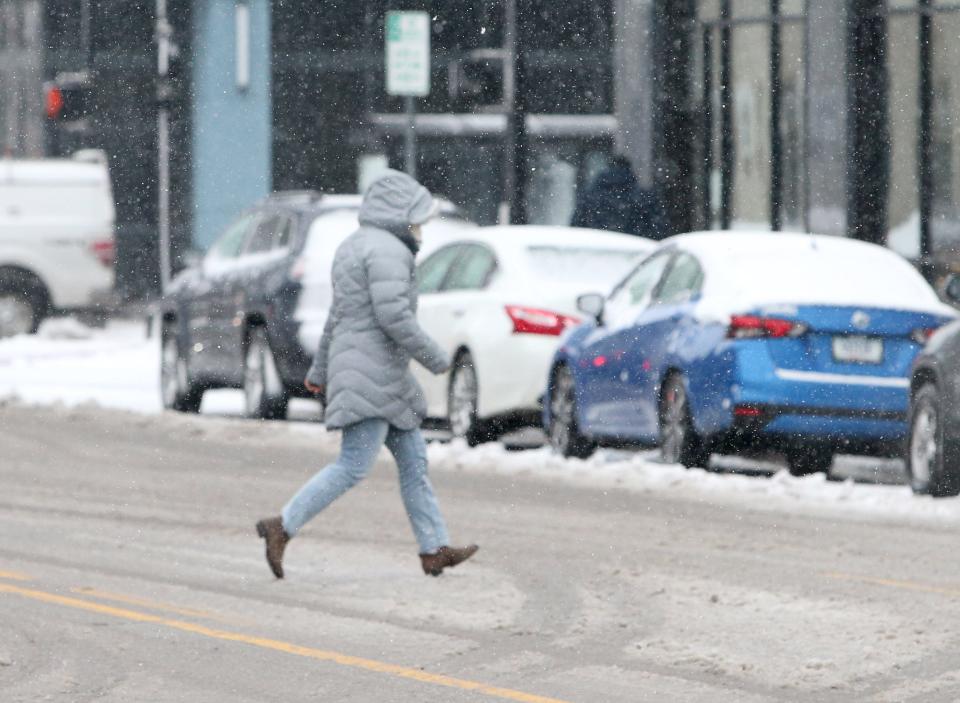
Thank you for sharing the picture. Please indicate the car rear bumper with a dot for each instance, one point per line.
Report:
(513, 374)
(837, 425)
(770, 403)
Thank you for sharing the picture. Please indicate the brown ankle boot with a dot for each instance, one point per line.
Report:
(271, 530)
(434, 564)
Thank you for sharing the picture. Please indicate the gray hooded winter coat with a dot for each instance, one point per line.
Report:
(372, 331)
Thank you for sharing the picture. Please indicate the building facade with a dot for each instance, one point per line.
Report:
(835, 116)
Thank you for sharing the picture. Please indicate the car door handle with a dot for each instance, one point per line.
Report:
(459, 313)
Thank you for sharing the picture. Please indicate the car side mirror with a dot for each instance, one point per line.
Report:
(591, 304)
(951, 289)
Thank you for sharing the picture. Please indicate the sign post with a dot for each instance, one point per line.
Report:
(408, 70)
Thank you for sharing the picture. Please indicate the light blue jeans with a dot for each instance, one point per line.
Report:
(358, 451)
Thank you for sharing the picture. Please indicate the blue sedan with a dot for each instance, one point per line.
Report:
(731, 341)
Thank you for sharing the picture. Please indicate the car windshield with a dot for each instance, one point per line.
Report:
(581, 266)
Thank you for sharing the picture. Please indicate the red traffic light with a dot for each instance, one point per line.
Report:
(54, 102)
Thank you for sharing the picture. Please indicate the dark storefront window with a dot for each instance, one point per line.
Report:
(331, 112)
(115, 47)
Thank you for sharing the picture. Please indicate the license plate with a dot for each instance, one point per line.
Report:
(861, 350)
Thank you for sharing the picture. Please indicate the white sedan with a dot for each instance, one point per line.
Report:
(498, 299)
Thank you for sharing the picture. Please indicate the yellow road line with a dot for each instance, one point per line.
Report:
(280, 646)
(14, 576)
(147, 603)
(907, 585)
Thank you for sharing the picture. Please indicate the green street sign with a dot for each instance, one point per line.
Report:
(408, 53)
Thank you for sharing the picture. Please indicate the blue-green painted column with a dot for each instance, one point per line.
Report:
(232, 117)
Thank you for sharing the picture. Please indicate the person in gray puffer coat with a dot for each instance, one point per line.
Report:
(363, 368)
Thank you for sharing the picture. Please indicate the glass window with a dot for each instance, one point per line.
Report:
(791, 127)
(432, 272)
(682, 282)
(634, 292)
(472, 270)
(552, 186)
(945, 135)
(583, 266)
(286, 232)
(229, 244)
(751, 8)
(264, 235)
(903, 124)
(708, 10)
(750, 58)
(793, 7)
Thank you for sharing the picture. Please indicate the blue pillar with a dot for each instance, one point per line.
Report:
(232, 117)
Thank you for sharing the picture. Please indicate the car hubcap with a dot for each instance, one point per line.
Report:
(673, 424)
(16, 316)
(463, 401)
(923, 444)
(561, 413)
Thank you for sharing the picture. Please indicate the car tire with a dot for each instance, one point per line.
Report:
(177, 390)
(563, 432)
(22, 308)
(931, 469)
(679, 441)
(265, 397)
(463, 395)
(803, 461)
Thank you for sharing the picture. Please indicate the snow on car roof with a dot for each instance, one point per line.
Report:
(518, 236)
(747, 270)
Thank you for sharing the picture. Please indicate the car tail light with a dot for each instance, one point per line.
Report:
(105, 251)
(536, 321)
(298, 269)
(755, 327)
(922, 335)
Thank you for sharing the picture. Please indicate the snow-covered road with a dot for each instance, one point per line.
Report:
(129, 569)
(116, 367)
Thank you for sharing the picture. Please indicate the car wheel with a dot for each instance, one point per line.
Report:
(20, 312)
(803, 461)
(679, 442)
(177, 391)
(564, 434)
(929, 471)
(462, 403)
(265, 397)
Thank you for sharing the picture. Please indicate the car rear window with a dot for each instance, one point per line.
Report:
(582, 265)
(821, 273)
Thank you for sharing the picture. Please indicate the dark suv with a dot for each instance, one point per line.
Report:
(251, 313)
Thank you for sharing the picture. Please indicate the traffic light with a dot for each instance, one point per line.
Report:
(68, 98)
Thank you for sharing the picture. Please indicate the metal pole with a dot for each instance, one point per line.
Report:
(163, 148)
(513, 207)
(410, 137)
(925, 143)
(776, 105)
(85, 41)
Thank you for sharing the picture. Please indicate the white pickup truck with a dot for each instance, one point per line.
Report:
(56, 238)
